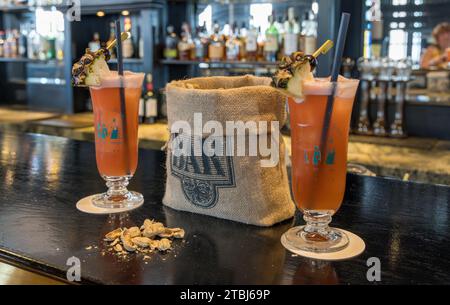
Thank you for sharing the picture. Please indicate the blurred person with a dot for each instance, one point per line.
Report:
(436, 55)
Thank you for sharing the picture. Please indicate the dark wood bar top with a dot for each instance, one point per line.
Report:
(404, 224)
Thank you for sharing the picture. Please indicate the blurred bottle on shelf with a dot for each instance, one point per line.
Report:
(171, 44)
(60, 46)
(50, 43)
(308, 36)
(141, 51)
(233, 44)
(291, 33)
(186, 47)
(34, 43)
(51, 48)
(150, 102)
(216, 50)
(201, 42)
(2, 43)
(251, 43)
(22, 41)
(141, 110)
(279, 24)
(112, 37)
(95, 45)
(243, 31)
(347, 67)
(261, 42)
(242, 38)
(10, 45)
(128, 44)
(271, 43)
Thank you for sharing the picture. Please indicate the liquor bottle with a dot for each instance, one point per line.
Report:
(22, 41)
(278, 22)
(141, 110)
(251, 44)
(233, 44)
(280, 27)
(2, 44)
(51, 48)
(94, 44)
(260, 42)
(112, 37)
(10, 46)
(171, 44)
(243, 31)
(34, 43)
(141, 47)
(198, 45)
(60, 46)
(243, 43)
(205, 41)
(150, 101)
(128, 44)
(14, 41)
(308, 37)
(271, 45)
(291, 35)
(201, 42)
(186, 47)
(51, 43)
(216, 50)
(6, 45)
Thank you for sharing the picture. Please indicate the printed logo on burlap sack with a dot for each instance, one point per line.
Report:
(202, 176)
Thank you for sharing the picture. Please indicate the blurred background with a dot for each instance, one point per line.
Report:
(398, 48)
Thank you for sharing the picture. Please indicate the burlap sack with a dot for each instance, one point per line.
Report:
(231, 187)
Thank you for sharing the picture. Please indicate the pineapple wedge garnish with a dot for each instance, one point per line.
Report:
(292, 72)
(90, 68)
(98, 68)
(295, 84)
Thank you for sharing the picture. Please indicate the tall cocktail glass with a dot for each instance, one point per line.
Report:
(116, 137)
(319, 163)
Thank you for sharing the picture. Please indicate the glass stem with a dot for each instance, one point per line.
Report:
(117, 187)
(317, 228)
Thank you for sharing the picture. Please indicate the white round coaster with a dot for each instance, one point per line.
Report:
(85, 205)
(355, 247)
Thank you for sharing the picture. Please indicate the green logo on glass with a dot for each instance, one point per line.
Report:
(316, 156)
(104, 133)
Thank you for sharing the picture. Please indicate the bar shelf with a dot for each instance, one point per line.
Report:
(28, 60)
(235, 63)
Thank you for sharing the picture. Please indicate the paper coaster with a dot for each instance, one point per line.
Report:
(85, 205)
(355, 247)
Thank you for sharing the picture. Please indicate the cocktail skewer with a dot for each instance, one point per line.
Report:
(324, 48)
(124, 36)
(294, 69)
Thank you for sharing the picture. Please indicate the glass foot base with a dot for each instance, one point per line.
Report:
(298, 239)
(128, 200)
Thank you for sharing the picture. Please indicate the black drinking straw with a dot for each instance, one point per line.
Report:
(342, 34)
(123, 111)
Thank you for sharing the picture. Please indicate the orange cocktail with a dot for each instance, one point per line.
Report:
(319, 173)
(114, 156)
(116, 136)
(319, 160)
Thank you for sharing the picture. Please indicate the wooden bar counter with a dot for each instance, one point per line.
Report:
(404, 224)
